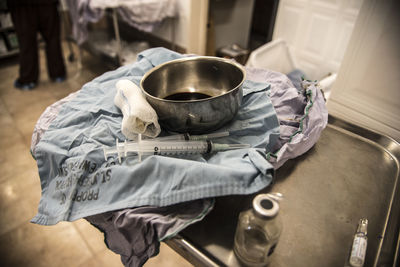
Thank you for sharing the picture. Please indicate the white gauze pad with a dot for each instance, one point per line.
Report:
(138, 116)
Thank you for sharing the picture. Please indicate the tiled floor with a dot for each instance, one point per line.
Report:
(21, 242)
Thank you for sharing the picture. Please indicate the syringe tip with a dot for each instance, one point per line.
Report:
(237, 146)
(224, 147)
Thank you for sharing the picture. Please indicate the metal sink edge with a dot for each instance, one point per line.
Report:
(388, 252)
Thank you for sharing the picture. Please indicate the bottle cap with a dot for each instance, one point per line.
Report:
(362, 226)
(265, 205)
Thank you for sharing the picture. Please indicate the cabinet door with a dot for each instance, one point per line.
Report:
(317, 32)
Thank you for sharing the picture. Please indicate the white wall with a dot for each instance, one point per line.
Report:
(189, 29)
(232, 21)
(165, 31)
(367, 90)
(197, 35)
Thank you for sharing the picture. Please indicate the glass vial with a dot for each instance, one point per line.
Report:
(357, 255)
(258, 231)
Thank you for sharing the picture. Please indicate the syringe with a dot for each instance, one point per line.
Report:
(176, 147)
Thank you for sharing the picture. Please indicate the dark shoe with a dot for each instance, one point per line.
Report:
(59, 79)
(24, 86)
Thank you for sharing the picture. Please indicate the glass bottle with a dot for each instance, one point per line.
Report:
(357, 255)
(258, 231)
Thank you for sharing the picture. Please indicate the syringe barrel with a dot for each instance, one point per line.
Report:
(168, 147)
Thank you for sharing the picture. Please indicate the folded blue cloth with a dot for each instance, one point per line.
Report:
(77, 182)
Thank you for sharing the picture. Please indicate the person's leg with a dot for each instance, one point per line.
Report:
(25, 24)
(49, 27)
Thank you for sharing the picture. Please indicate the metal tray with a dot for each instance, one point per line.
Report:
(351, 173)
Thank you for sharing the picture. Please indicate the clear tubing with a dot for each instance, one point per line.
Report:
(189, 137)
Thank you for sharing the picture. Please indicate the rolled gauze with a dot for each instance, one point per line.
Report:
(138, 115)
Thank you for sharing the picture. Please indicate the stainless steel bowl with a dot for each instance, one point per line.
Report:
(194, 94)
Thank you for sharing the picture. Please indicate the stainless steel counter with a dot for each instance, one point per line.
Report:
(351, 173)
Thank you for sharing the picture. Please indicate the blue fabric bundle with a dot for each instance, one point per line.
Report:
(77, 182)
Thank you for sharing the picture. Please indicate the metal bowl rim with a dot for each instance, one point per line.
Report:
(192, 58)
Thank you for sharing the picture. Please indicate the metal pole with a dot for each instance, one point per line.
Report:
(117, 37)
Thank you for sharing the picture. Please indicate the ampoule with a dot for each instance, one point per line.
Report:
(357, 255)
